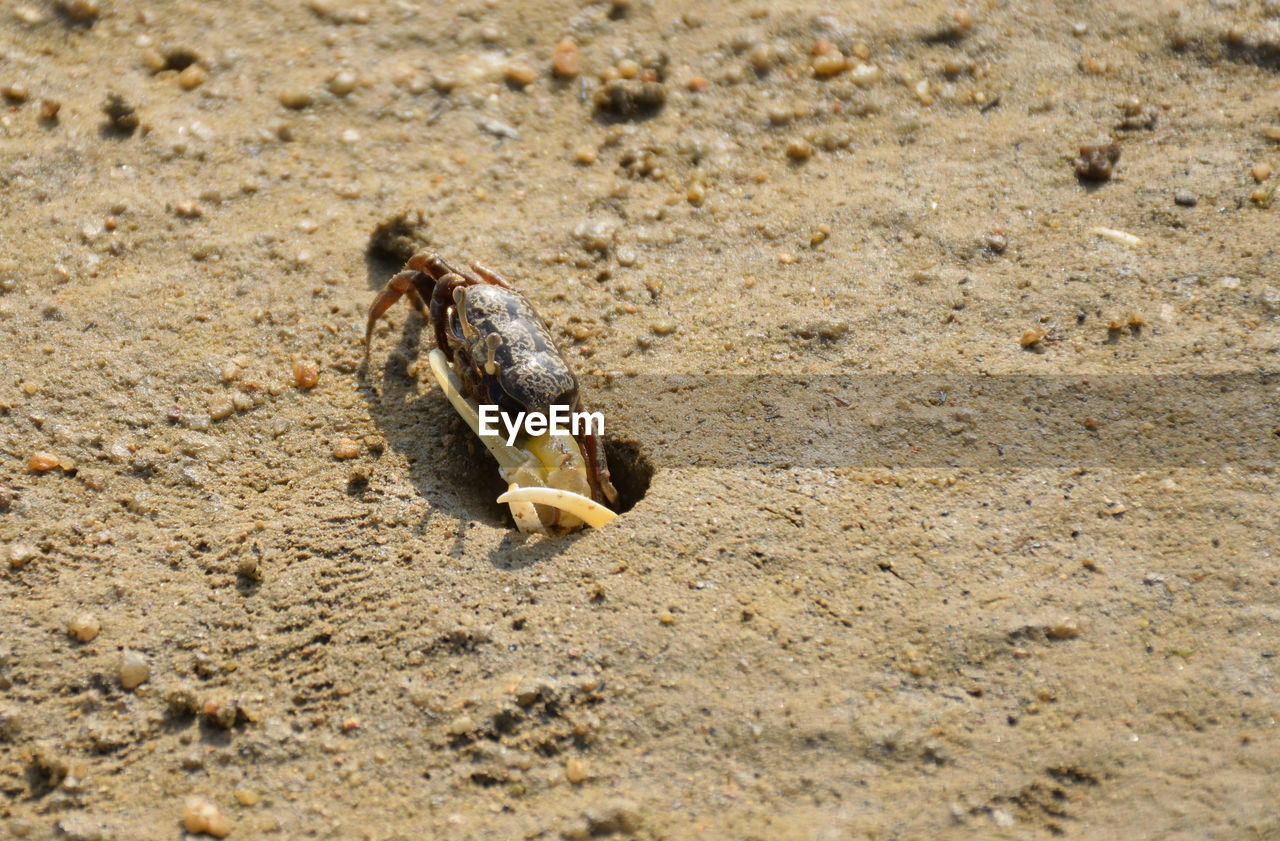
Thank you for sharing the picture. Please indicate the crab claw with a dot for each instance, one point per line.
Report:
(525, 514)
(584, 508)
(517, 465)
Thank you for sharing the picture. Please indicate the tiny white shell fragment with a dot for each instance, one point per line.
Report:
(1122, 237)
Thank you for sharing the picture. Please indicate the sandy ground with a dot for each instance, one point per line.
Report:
(886, 573)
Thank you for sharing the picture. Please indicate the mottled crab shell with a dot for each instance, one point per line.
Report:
(528, 366)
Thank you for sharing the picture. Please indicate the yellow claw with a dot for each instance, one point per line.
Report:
(584, 508)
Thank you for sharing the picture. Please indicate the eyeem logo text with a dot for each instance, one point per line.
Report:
(558, 420)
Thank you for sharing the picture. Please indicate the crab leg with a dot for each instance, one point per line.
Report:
(516, 464)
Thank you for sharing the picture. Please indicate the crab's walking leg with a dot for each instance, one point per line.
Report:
(490, 276)
(593, 449)
(415, 284)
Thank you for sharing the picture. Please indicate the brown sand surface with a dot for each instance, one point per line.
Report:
(951, 474)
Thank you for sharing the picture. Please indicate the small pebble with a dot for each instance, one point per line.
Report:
(306, 373)
(799, 149)
(780, 113)
(519, 73)
(154, 61)
(576, 771)
(247, 797)
(865, 75)
(201, 816)
(192, 77)
(222, 711)
(134, 669)
(79, 11)
(666, 618)
(461, 726)
(566, 60)
(1261, 172)
(49, 109)
(84, 627)
(829, 63)
(249, 567)
(1185, 198)
(20, 554)
(1031, 337)
(41, 461)
(188, 209)
(29, 15)
(345, 448)
(1064, 630)
(295, 98)
(221, 408)
(15, 92)
(342, 83)
(924, 94)
(585, 155)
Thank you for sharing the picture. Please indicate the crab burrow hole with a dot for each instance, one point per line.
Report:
(630, 471)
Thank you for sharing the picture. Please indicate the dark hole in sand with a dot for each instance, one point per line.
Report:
(631, 472)
(180, 58)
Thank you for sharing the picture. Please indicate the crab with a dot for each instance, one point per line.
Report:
(491, 347)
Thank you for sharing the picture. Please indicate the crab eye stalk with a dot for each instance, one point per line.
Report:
(491, 343)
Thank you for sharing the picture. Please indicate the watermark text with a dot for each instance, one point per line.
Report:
(559, 419)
